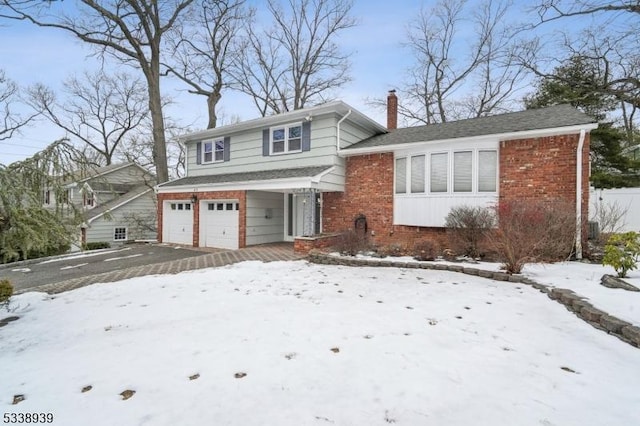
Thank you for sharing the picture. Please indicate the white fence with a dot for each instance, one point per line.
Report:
(615, 210)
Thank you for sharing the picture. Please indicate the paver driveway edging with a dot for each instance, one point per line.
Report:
(575, 303)
(265, 253)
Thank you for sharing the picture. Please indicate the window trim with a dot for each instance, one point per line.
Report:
(115, 233)
(450, 192)
(214, 144)
(286, 128)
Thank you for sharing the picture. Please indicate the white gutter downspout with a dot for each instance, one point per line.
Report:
(338, 131)
(579, 195)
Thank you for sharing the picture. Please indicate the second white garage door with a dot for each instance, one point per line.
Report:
(219, 224)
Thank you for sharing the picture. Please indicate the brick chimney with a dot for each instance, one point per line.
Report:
(392, 110)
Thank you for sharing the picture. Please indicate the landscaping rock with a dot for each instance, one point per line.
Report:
(632, 333)
(500, 276)
(614, 282)
(485, 274)
(591, 314)
(471, 271)
(612, 324)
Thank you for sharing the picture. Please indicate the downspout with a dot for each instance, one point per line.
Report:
(579, 195)
(338, 131)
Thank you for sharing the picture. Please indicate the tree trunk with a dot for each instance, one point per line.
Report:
(212, 100)
(155, 106)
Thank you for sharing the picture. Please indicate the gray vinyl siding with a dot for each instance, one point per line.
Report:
(129, 174)
(102, 229)
(246, 152)
(351, 133)
(261, 230)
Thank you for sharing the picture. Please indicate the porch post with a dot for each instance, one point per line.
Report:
(309, 213)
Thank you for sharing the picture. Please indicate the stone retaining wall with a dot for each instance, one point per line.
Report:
(575, 303)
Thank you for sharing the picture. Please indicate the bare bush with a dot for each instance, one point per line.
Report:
(466, 228)
(533, 231)
(351, 243)
(425, 250)
(610, 217)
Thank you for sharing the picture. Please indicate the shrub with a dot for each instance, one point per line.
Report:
(6, 291)
(466, 228)
(394, 250)
(621, 252)
(351, 243)
(96, 245)
(532, 231)
(425, 250)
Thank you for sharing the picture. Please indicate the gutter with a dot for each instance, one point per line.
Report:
(579, 195)
(338, 131)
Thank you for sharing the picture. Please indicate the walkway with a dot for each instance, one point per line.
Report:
(265, 253)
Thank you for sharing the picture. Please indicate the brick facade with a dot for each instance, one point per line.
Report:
(241, 196)
(542, 167)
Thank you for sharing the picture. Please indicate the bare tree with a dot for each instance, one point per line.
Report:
(297, 61)
(130, 30)
(611, 42)
(10, 120)
(203, 49)
(98, 109)
(444, 84)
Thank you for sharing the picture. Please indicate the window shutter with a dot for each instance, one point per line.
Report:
(487, 171)
(462, 171)
(417, 174)
(439, 172)
(199, 153)
(401, 175)
(306, 136)
(227, 148)
(265, 143)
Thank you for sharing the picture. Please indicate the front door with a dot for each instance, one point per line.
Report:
(295, 218)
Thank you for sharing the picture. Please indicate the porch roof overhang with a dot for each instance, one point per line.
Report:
(279, 180)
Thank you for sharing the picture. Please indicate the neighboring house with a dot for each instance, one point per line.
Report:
(330, 168)
(117, 203)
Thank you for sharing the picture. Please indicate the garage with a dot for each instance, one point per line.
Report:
(219, 224)
(177, 222)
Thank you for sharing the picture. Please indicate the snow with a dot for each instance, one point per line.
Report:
(413, 347)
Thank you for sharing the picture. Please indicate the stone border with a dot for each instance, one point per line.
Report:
(575, 303)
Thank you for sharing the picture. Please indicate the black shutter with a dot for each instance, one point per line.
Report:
(265, 143)
(199, 153)
(227, 148)
(306, 136)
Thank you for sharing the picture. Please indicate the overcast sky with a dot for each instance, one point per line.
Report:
(29, 55)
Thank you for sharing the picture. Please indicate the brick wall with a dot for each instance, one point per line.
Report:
(544, 168)
(217, 195)
(529, 168)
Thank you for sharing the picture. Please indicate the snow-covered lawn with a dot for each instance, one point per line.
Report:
(320, 345)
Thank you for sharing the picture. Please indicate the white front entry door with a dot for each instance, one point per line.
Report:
(219, 224)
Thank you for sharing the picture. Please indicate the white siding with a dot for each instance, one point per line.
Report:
(129, 174)
(246, 150)
(102, 228)
(260, 229)
(625, 201)
(432, 210)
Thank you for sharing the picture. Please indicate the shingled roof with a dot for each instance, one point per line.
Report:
(299, 172)
(534, 119)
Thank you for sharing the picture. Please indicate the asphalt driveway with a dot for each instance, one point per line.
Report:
(48, 271)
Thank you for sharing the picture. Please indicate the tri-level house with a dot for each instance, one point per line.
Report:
(330, 168)
(117, 204)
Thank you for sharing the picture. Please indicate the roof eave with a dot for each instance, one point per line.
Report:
(565, 130)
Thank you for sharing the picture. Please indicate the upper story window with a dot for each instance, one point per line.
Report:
(286, 139)
(454, 172)
(213, 151)
(47, 197)
(88, 199)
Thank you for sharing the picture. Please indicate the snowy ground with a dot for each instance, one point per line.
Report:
(320, 345)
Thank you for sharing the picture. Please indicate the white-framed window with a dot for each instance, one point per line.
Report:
(439, 172)
(463, 172)
(213, 151)
(285, 139)
(88, 199)
(120, 233)
(401, 175)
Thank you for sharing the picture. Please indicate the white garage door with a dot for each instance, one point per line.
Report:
(219, 224)
(177, 222)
